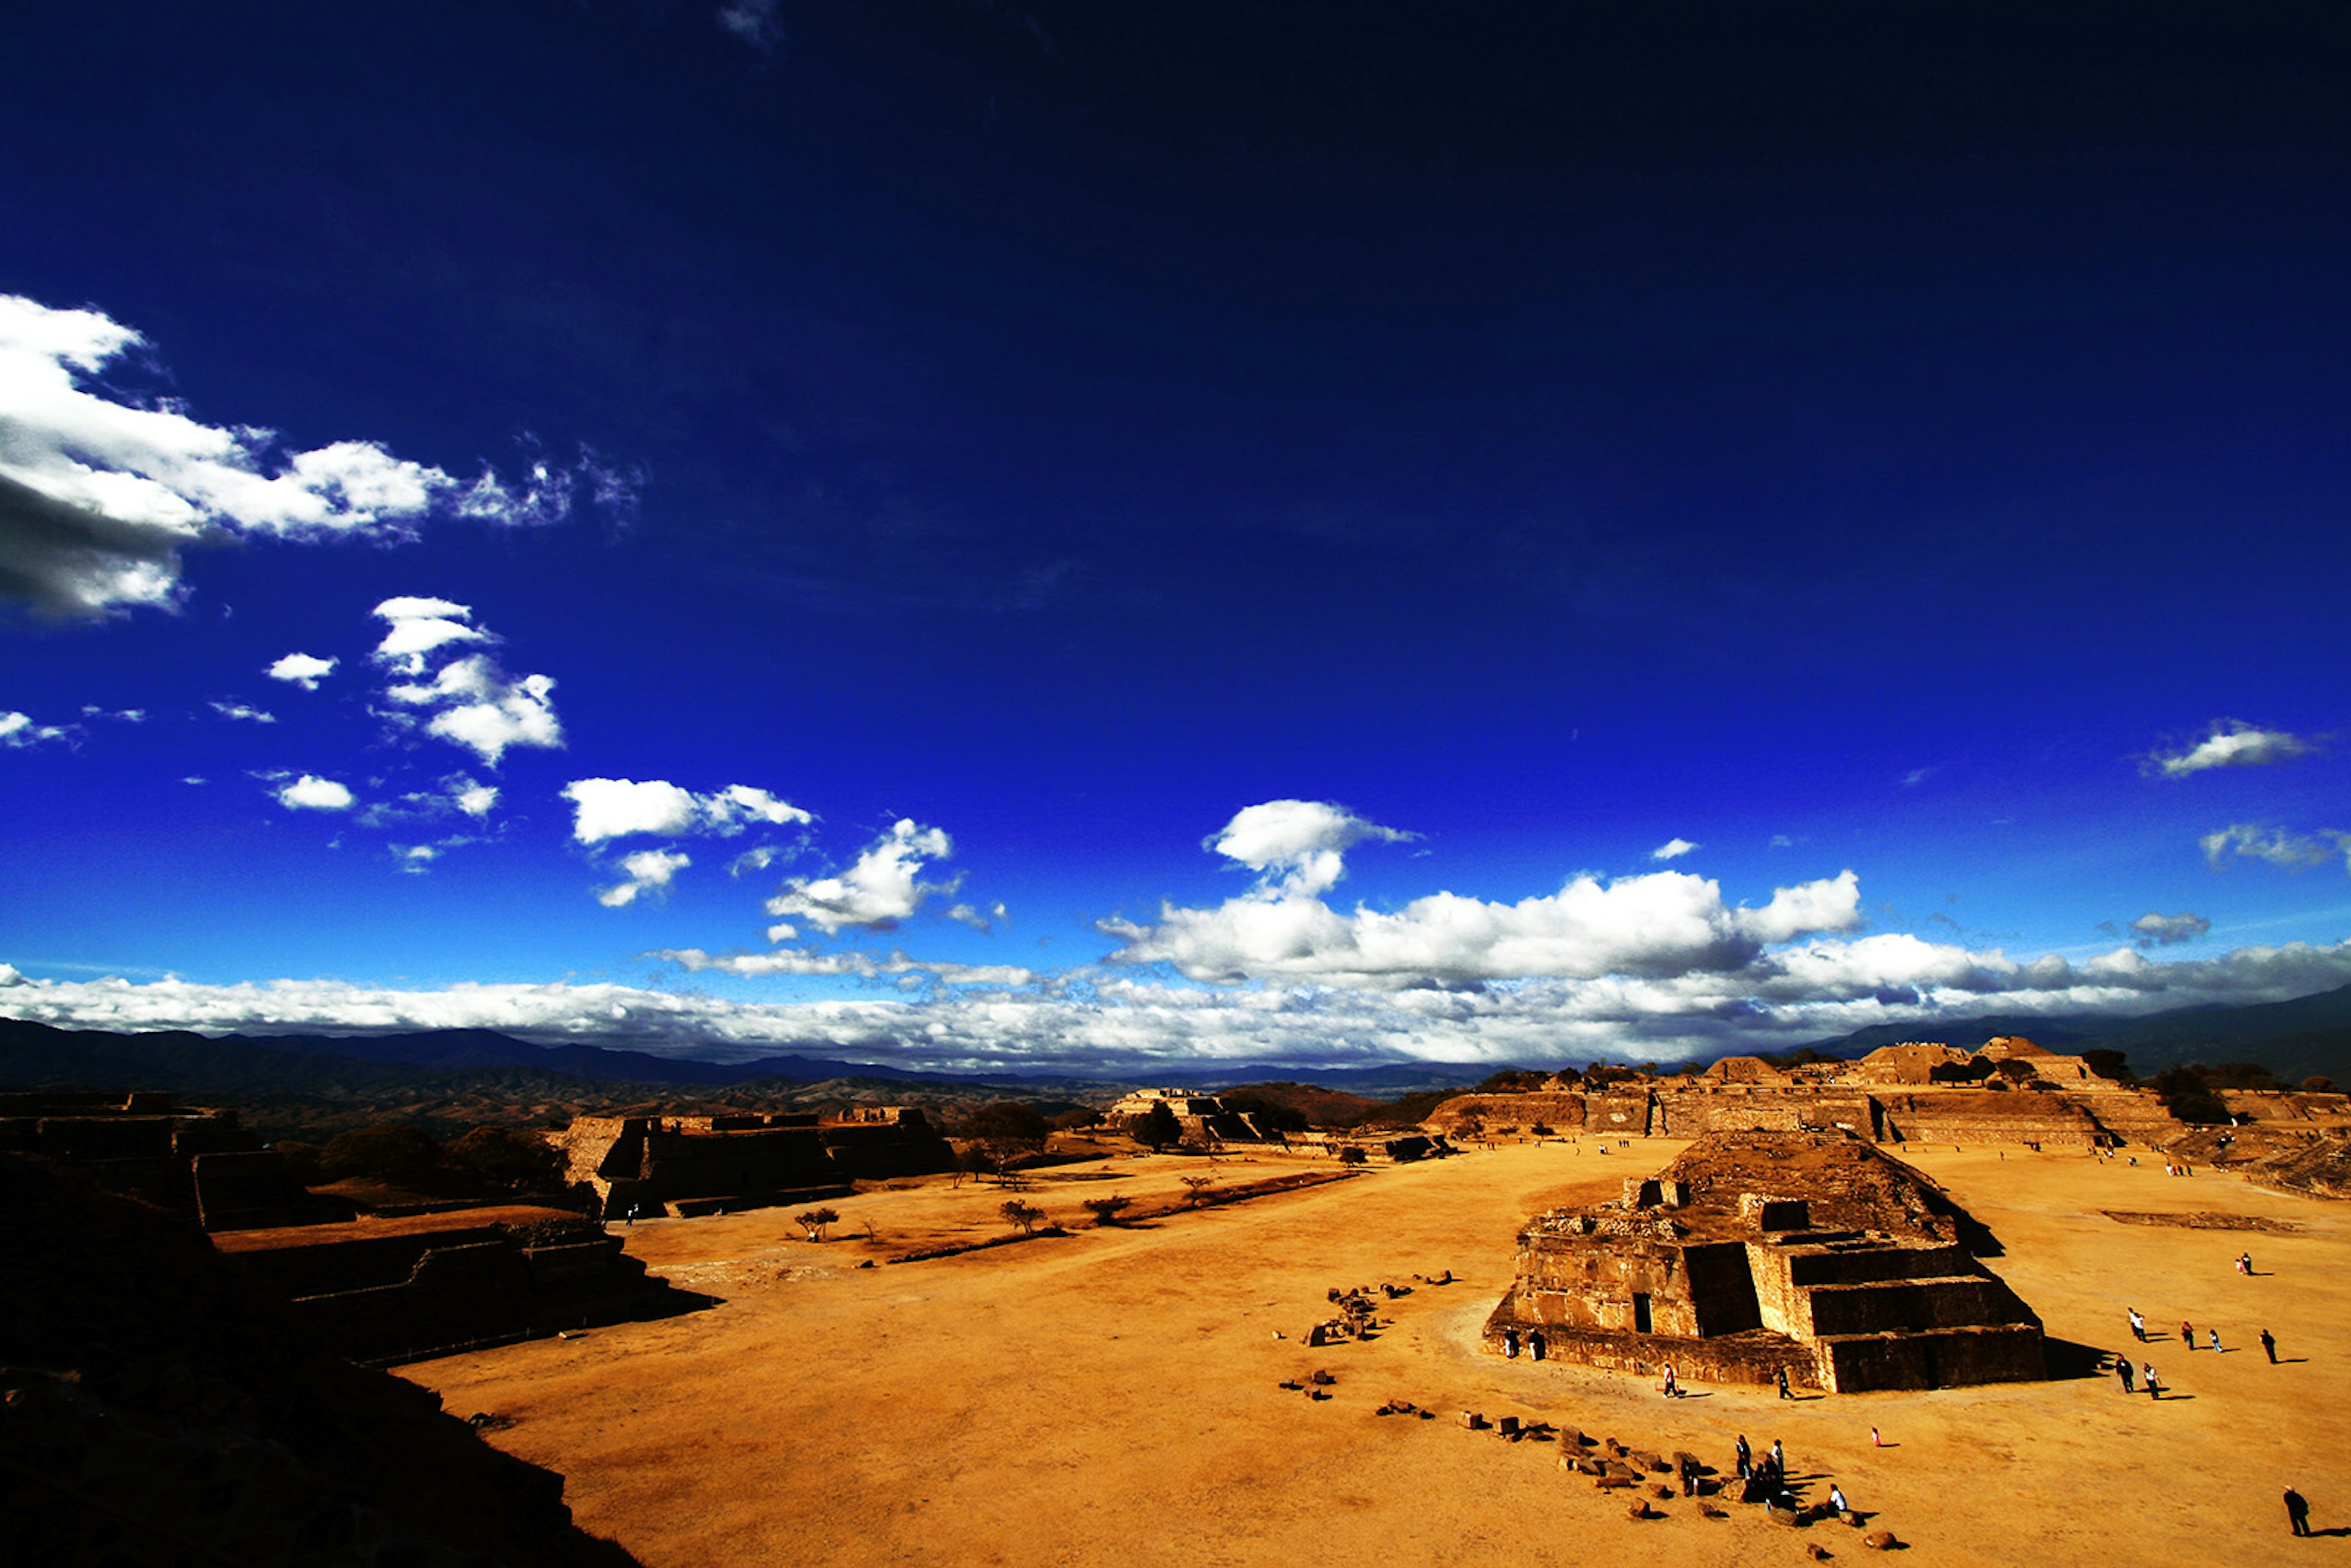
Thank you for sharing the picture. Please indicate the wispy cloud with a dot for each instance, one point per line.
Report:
(470, 700)
(2153, 930)
(1674, 849)
(19, 730)
(2277, 846)
(101, 492)
(2233, 743)
(244, 711)
(647, 870)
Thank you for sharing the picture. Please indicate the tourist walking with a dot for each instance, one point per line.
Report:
(1671, 1392)
(1746, 1457)
(1510, 1344)
(2297, 1512)
(2123, 1371)
(2138, 1326)
(2245, 1262)
(2146, 1375)
(1783, 1384)
(2215, 1342)
(2269, 1346)
(2188, 1335)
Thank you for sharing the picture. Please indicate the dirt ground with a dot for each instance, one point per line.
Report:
(1111, 1396)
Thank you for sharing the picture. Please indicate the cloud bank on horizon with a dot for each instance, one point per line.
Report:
(1032, 587)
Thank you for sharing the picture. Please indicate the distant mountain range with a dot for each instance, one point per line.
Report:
(2292, 1038)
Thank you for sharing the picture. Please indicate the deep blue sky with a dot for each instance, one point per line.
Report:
(1853, 440)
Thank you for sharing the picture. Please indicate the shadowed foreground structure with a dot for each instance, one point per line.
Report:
(1756, 1253)
(158, 1410)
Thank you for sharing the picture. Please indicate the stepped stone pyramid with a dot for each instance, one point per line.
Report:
(1757, 1252)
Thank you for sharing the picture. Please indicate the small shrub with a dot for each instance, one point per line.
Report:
(815, 1221)
(1106, 1210)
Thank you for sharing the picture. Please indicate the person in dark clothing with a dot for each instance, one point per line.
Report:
(1783, 1384)
(2297, 1512)
(1746, 1457)
(2123, 1371)
(1534, 1344)
(2269, 1346)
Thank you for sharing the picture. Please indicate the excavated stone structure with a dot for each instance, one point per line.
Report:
(2008, 1090)
(193, 1160)
(1204, 1118)
(1755, 1252)
(697, 1165)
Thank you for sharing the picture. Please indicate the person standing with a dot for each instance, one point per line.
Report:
(2146, 1375)
(1783, 1384)
(2297, 1512)
(2188, 1335)
(2245, 1262)
(1746, 1457)
(2215, 1342)
(2123, 1371)
(1671, 1392)
(2269, 1346)
(1510, 1344)
(2138, 1326)
(1779, 1459)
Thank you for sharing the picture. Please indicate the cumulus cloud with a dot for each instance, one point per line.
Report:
(648, 871)
(312, 793)
(2233, 743)
(1662, 922)
(880, 889)
(2153, 930)
(302, 670)
(18, 730)
(1300, 844)
(100, 491)
(615, 807)
(248, 713)
(1128, 1025)
(2294, 851)
(470, 700)
(852, 965)
(1673, 849)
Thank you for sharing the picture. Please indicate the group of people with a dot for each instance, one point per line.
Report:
(2188, 1341)
(1766, 1480)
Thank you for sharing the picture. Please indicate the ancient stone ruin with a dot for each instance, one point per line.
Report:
(195, 1161)
(2006, 1091)
(1203, 1119)
(685, 1165)
(1755, 1252)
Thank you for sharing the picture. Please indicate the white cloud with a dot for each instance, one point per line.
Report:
(648, 871)
(2294, 851)
(879, 890)
(474, 799)
(753, 21)
(615, 807)
(312, 793)
(302, 670)
(1302, 843)
(99, 493)
(242, 711)
(2233, 743)
(473, 702)
(2166, 930)
(1662, 922)
(1673, 849)
(1124, 1025)
(18, 730)
(120, 716)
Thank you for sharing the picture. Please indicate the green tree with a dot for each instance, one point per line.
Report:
(815, 1221)
(1156, 1128)
(2187, 1095)
(1023, 1216)
(502, 1157)
(388, 1151)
